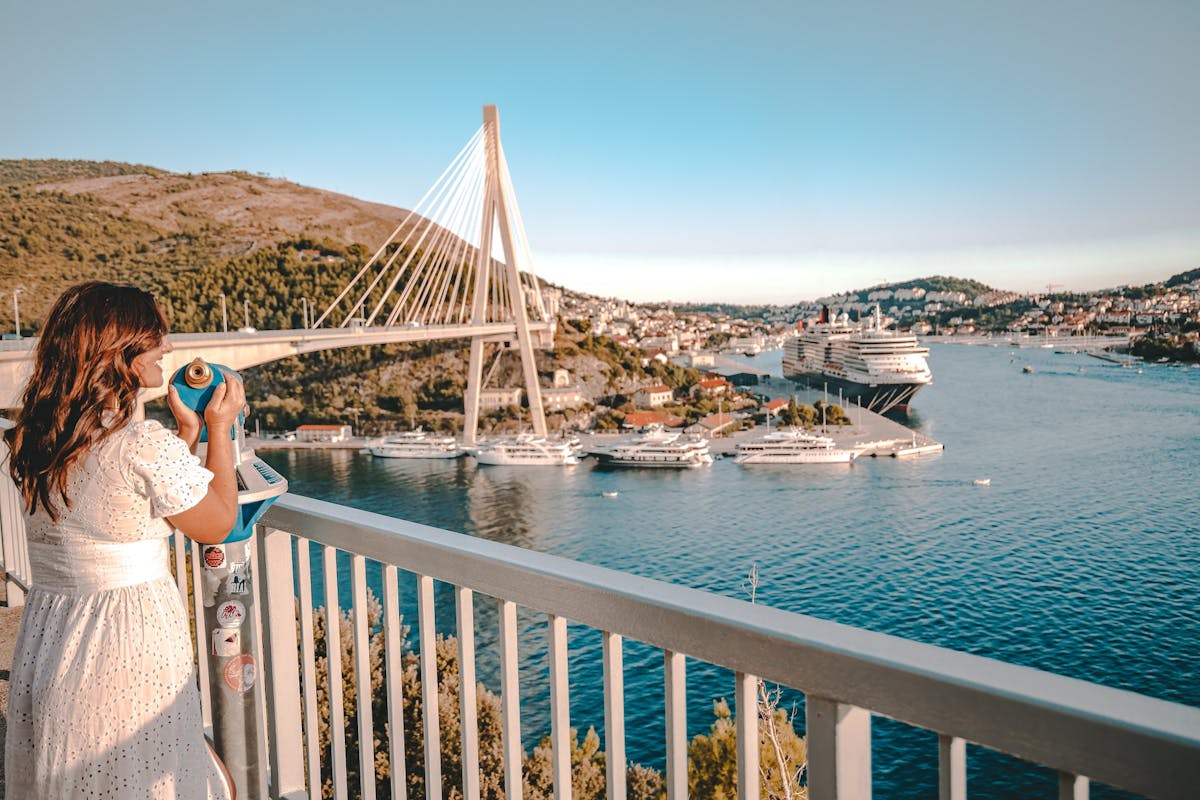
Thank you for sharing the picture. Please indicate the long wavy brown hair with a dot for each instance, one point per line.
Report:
(82, 388)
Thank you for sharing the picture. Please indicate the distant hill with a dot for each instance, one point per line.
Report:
(937, 283)
(65, 221)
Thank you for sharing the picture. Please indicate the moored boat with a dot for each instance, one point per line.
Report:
(792, 446)
(659, 449)
(416, 444)
(526, 450)
(878, 368)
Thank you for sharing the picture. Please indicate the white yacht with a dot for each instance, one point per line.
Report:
(792, 447)
(416, 444)
(526, 450)
(660, 449)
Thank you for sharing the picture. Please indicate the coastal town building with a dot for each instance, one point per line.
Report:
(323, 433)
(653, 396)
(493, 399)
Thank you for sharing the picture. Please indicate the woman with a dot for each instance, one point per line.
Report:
(103, 699)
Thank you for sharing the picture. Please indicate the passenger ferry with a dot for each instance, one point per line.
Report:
(527, 450)
(881, 369)
(792, 447)
(659, 449)
(416, 444)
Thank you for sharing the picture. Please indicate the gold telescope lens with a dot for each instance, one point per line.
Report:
(198, 374)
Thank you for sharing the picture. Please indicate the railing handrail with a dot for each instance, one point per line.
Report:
(1114, 736)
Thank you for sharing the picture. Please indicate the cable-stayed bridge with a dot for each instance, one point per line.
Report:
(457, 266)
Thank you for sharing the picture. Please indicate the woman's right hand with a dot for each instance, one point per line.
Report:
(227, 401)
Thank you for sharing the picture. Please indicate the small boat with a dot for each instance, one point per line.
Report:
(1027, 369)
(792, 447)
(609, 494)
(659, 449)
(982, 481)
(416, 444)
(526, 450)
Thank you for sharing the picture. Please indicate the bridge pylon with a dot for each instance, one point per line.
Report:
(498, 213)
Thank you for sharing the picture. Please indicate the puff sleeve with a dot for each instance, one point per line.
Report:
(159, 466)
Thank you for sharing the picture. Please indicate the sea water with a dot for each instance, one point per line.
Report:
(1081, 557)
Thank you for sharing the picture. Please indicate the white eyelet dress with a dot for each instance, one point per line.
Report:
(103, 701)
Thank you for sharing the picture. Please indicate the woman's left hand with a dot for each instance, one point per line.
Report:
(186, 417)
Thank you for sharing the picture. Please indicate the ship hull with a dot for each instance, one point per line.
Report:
(880, 398)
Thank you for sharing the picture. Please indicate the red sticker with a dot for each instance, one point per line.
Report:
(231, 614)
(214, 556)
(239, 673)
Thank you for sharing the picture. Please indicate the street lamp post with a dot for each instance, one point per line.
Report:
(17, 310)
(224, 315)
(304, 313)
(246, 313)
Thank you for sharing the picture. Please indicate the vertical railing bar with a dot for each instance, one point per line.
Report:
(333, 660)
(747, 737)
(394, 669)
(952, 768)
(427, 635)
(272, 572)
(201, 641)
(675, 689)
(1073, 787)
(308, 666)
(179, 552)
(839, 750)
(259, 645)
(560, 708)
(469, 713)
(614, 716)
(362, 677)
(510, 700)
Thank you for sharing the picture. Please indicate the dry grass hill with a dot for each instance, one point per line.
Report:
(64, 221)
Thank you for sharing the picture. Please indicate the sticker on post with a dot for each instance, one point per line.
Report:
(226, 642)
(239, 673)
(214, 556)
(231, 614)
(239, 578)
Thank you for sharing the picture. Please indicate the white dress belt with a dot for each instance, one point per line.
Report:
(85, 566)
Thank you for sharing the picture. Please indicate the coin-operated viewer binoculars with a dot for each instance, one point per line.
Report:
(226, 586)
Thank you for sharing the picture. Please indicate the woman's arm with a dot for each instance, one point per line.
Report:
(210, 520)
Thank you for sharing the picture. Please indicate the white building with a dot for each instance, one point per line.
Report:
(492, 399)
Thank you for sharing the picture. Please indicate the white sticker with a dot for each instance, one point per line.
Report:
(239, 580)
(231, 614)
(226, 642)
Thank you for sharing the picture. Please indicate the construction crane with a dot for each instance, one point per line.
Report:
(1050, 287)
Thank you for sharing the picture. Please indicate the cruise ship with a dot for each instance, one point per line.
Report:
(792, 447)
(878, 368)
(416, 444)
(527, 450)
(659, 449)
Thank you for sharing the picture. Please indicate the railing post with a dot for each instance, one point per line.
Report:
(839, 750)
(13, 549)
(747, 738)
(952, 768)
(281, 670)
(1073, 787)
(675, 688)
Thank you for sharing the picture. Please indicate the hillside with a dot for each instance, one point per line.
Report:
(65, 221)
(936, 283)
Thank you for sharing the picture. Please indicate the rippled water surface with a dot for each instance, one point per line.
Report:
(1080, 558)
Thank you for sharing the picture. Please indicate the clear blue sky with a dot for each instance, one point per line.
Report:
(752, 152)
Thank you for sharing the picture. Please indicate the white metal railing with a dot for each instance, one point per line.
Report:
(1082, 730)
(1116, 737)
(12, 532)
